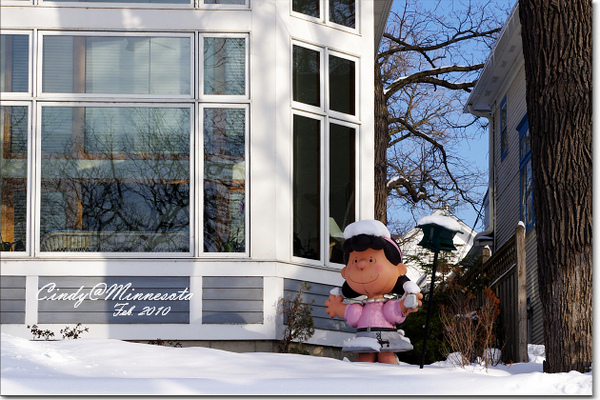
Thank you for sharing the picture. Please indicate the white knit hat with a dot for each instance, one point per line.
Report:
(366, 227)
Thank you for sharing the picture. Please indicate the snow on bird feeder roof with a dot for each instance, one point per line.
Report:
(440, 220)
(438, 232)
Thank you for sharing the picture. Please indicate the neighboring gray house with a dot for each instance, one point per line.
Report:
(499, 96)
(199, 157)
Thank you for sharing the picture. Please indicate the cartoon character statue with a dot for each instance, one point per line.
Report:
(374, 269)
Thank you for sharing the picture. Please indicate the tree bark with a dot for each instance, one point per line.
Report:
(382, 140)
(557, 46)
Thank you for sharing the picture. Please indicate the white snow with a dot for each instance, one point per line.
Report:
(440, 220)
(366, 227)
(113, 367)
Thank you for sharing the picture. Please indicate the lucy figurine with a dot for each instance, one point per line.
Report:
(374, 269)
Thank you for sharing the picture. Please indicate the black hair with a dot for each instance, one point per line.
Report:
(363, 242)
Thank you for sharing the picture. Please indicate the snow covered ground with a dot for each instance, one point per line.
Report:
(100, 367)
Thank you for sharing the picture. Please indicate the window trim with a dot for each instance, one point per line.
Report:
(220, 98)
(118, 97)
(524, 160)
(36, 211)
(29, 94)
(324, 79)
(503, 129)
(198, 169)
(324, 7)
(29, 176)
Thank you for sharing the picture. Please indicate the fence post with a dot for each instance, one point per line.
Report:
(521, 294)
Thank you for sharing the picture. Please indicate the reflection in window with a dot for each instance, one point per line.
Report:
(13, 186)
(115, 179)
(343, 12)
(306, 76)
(307, 187)
(14, 63)
(307, 7)
(342, 154)
(224, 66)
(224, 179)
(117, 65)
(342, 85)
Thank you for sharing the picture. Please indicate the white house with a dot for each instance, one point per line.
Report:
(171, 168)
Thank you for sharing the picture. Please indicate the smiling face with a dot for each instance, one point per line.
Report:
(370, 273)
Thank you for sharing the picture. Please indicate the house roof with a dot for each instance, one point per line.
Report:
(380, 17)
(501, 62)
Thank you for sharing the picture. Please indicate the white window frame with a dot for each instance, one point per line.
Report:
(199, 188)
(338, 114)
(118, 97)
(322, 67)
(324, 17)
(29, 176)
(220, 98)
(327, 196)
(37, 145)
(29, 94)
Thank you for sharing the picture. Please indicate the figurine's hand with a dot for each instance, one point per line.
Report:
(406, 311)
(335, 306)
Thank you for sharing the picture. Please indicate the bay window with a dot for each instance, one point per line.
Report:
(340, 12)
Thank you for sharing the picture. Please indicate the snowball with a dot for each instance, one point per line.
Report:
(411, 287)
(440, 220)
(366, 227)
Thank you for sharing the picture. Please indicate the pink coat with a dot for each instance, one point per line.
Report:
(376, 314)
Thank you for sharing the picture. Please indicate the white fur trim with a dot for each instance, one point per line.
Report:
(366, 227)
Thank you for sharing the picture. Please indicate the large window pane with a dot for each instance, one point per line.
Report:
(307, 187)
(117, 65)
(342, 154)
(306, 76)
(13, 185)
(115, 179)
(343, 12)
(224, 179)
(308, 7)
(342, 85)
(14, 61)
(224, 66)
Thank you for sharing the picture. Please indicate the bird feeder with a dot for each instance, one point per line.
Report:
(438, 234)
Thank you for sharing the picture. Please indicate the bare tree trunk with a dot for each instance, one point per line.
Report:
(382, 139)
(557, 45)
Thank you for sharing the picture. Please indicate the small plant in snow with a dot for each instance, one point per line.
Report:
(38, 333)
(73, 333)
(298, 320)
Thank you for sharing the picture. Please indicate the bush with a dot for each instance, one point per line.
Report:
(298, 320)
(470, 332)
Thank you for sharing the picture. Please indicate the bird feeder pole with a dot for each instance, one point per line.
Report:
(438, 234)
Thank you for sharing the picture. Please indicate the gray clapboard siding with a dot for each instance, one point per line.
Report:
(12, 300)
(533, 293)
(116, 308)
(232, 300)
(319, 293)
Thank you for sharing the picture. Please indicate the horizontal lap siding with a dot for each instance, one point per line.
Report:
(114, 309)
(319, 293)
(12, 300)
(536, 323)
(232, 300)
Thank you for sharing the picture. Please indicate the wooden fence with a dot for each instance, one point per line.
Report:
(506, 270)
